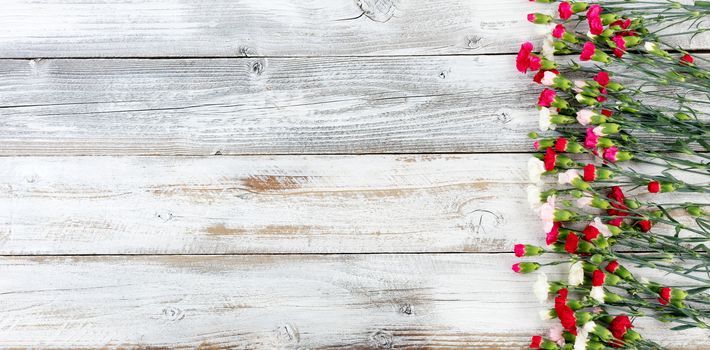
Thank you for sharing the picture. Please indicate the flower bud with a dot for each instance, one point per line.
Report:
(694, 210)
(668, 187)
(527, 250)
(612, 280)
(611, 298)
(610, 128)
(632, 203)
(600, 203)
(683, 116)
(631, 336)
(563, 215)
(583, 317)
(539, 18)
(525, 267)
(603, 333)
(579, 6)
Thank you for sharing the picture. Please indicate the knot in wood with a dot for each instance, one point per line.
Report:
(378, 10)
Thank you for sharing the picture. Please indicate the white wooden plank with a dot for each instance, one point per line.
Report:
(265, 106)
(276, 302)
(140, 28)
(258, 204)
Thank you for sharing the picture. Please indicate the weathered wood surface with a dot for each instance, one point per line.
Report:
(265, 106)
(267, 204)
(164, 28)
(276, 302)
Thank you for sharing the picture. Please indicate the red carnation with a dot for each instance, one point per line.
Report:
(616, 222)
(602, 78)
(621, 23)
(547, 97)
(592, 139)
(525, 60)
(612, 266)
(620, 46)
(595, 22)
(566, 316)
(665, 294)
(554, 232)
(617, 197)
(590, 232)
(561, 144)
(571, 243)
(598, 278)
(590, 173)
(565, 10)
(587, 51)
(535, 342)
(654, 187)
(607, 112)
(519, 250)
(645, 225)
(559, 31)
(619, 325)
(687, 59)
(550, 159)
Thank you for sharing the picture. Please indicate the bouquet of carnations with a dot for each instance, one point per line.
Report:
(621, 177)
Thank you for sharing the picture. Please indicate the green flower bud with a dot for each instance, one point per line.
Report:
(623, 156)
(563, 215)
(544, 144)
(583, 99)
(668, 187)
(579, 6)
(611, 298)
(605, 142)
(683, 116)
(575, 304)
(539, 18)
(695, 211)
(592, 345)
(597, 259)
(547, 64)
(583, 317)
(631, 336)
(608, 18)
(525, 267)
(533, 135)
(611, 279)
(579, 183)
(601, 332)
(600, 203)
(549, 345)
(610, 128)
(604, 174)
(632, 203)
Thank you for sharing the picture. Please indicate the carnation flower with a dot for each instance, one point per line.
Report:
(593, 18)
(571, 243)
(686, 59)
(665, 295)
(548, 49)
(584, 116)
(550, 159)
(533, 196)
(556, 334)
(587, 51)
(592, 139)
(580, 342)
(547, 97)
(535, 169)
(548, 78)
(559, 31)
(601, 227)
(610, 154)
(619, 325)
(535, 342)
(547, 213)
(541, 288)
(654, 187)
(565, 10)
(602, 78)
(576, 274)
(567, 176)
(545, 121)
(620, 46)
(525, 60)
(552, 235)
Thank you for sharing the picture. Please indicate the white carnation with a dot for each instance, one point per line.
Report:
(548, 78)
(580, 342)
(535, 169)
(597, 293)
(584, 116)
(576, 274)
(567, 176)
(599, 225)
(649, 46)
(544, 120)
(533, 196)
(548, 50)
(541, 287)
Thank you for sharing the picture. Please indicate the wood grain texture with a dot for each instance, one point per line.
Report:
(258, 204)
(265, 106)
(276, 302)
(160, 28)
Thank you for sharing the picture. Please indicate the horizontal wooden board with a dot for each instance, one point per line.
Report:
(276, 302)
(258, 204)
(139, 28)
(265, 106)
